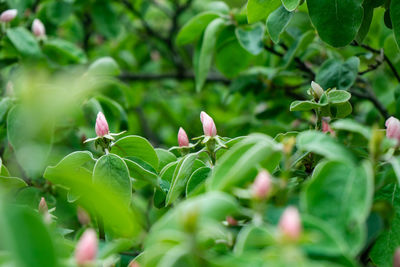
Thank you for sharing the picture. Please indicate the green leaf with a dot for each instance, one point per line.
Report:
(253, 237)
(193, 29)
(340, 111)
(231, 58)
(5, 105)
(21, 5)
(109, 27)
(63, 52)
(260, 9)
(104, 66)
(57, 12)
(207, 51)
(111, 171)
(138, 147)
(24, 234)
(9, 184)
(305, 105)
(31, 142)
(181, 175)
(165, 157)
(291, 5)
(320, 143)
(297, 47)
(196, 182)
(138, 172)
(341, 194)
(212, 206)
(395, 17)
(335, 73)
(239, 164)
(277, 23)
(24, 41)
(368, 7)
(251, 38)
(385, 246)
(338, 96)
(336, 21)
(352, 126)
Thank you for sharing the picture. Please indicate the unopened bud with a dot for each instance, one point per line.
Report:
(396, 258)
(134, 264)
(326, 128)
(262, 185)
(101, 125)
(209, 127)
(183, 139)
(38, 28)
(43, 209)
(317, 89)
(8, 15)
(83, 216)
(290, 223)
(231, 221)
(86, 249)
(393, 128)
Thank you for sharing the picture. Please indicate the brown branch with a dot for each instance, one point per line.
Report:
(385, 57)
(162, 76)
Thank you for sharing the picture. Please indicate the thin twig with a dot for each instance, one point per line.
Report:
(162, 76)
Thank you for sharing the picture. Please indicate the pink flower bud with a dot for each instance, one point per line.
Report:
(86, 249)
(262, 185)
(183, 139)
(209, 127)
(101, 125)
(38, 28)
(231, 221)
(290, 223)
(326, 128)
(43, 209)
(396, 258)
(83, 216)
(393, 128)
(8, 15)
(134, 264)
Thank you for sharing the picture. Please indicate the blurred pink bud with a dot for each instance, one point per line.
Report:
(290, 223)
(101, 125)
(396, 258)
(209, 127)
(43, 209)
(83, 216)
(326, 128)
(231, 221)
(8, 15)
(86, 249)
(183, 139)
(38, 28)
(133, 264)
(393, 128)
(262, 185)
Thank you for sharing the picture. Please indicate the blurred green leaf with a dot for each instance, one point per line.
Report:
(63, 52)
(335, 73)
(395, 17)
(260, 9)
(24, 42)
(320, 143)
(291, 5)
(25, 235)
(251, 38)
(193, 29)
(277, 23)
(196, 182)
(104, 66)
(207, 51)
